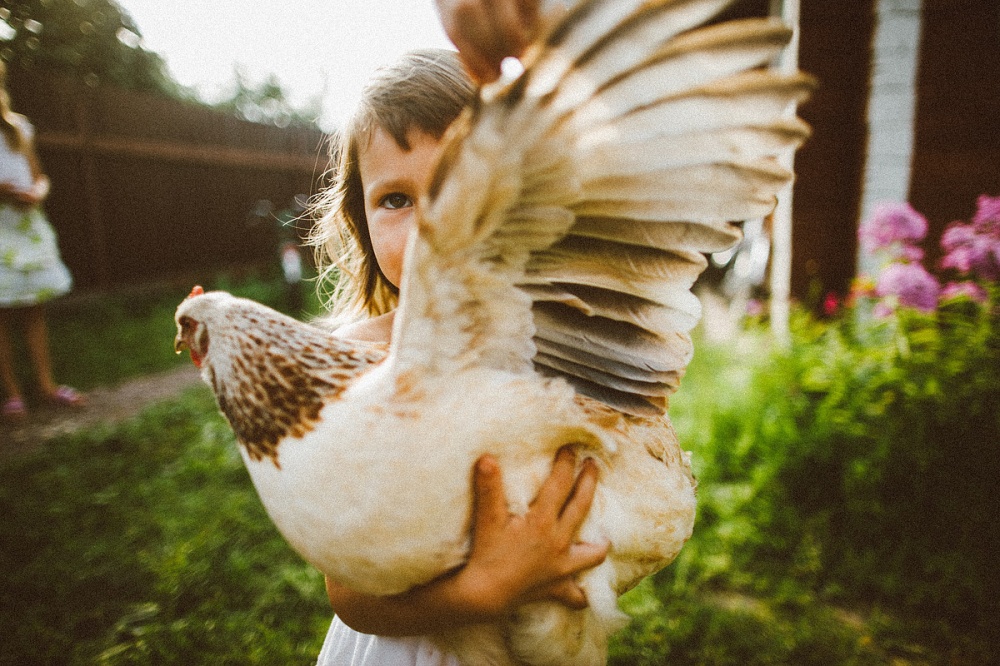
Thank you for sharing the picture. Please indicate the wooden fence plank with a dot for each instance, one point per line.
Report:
(185, 153)
(146, 188)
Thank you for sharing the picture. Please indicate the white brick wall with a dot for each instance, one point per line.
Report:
(891, 105)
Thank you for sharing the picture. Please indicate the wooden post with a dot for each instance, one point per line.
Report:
(781, 229)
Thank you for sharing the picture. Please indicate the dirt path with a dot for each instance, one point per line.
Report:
(104, 405)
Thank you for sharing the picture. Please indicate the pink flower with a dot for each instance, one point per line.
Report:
(911, 284)
(970, 290)
(973, 248)
(987, 210)
(755, 308)
(882, 310)
(911, 253)
(892, 223)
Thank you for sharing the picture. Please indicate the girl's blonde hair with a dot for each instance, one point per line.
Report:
(10, 122)
(424, 90)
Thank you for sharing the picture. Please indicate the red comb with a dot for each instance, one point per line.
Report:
(197, 291)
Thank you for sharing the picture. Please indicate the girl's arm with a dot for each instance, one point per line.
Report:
(39, 189)
(513, 560)
(35, 194)
(40, 182)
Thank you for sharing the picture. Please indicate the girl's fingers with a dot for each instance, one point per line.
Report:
(568, 593)
(557, 488)
(490, 499)
(510, 35)
(478, 66)
(581, 497)
(583, 556)
(487, 31)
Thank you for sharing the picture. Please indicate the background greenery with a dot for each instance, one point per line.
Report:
(846, 495)
(98, 43)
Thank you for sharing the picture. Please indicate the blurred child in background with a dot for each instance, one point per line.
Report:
(31, 270)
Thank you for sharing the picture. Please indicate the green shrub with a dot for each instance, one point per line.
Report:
(860, 463)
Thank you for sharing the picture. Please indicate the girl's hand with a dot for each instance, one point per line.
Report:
(487, 31)
(517, 559)
(513, 560)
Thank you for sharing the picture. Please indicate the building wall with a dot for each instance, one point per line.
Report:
(957, 146)
(835, 48)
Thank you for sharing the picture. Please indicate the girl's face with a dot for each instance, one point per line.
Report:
(392, 180)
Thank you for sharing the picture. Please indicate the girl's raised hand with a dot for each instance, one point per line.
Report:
(487, 31)
(518, 559)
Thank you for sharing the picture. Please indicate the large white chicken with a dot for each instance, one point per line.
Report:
(545, 301)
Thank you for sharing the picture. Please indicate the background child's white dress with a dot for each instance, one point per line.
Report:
(31, 270)
(345, 647)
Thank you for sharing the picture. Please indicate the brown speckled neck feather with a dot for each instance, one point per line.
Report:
(279, 375)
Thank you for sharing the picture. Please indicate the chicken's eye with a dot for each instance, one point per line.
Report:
(396, 200)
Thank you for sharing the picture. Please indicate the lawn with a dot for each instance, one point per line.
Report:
(144, 543)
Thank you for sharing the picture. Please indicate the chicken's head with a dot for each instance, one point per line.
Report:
(193, 317)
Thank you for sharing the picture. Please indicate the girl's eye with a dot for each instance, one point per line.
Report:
(395, 200)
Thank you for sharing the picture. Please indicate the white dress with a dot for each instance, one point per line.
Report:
(31, 270)
(345, 647)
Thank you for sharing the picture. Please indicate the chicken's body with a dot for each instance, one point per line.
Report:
(545, 301)
(394, 512)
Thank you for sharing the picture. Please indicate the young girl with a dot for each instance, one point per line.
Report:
(384, 156)
(31, 271)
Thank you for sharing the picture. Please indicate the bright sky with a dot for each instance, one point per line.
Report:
(304, 42)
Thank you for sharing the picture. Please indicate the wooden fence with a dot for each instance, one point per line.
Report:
(146, 188)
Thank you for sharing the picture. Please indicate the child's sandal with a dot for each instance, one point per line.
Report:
(66, 396)
(14, 409)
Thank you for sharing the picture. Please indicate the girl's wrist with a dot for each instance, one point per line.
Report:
(479, 595)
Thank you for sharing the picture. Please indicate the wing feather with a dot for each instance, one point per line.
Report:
(571, 210)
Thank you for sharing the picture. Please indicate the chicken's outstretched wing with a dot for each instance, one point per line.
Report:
(568, 216)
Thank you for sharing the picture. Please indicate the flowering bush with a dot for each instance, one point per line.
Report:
(892, 236)
(974, 248)
(863, 460)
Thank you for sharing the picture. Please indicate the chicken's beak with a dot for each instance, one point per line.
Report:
(187, 328)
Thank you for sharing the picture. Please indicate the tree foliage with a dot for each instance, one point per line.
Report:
(98, 42)
(95, 41)
(267, 102)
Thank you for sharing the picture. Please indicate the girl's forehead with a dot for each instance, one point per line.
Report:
(385, 163)
(405, 141)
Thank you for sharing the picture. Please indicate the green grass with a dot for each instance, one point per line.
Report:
(146, 544)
